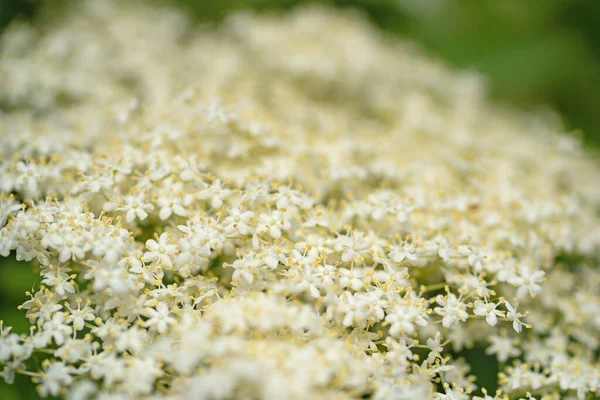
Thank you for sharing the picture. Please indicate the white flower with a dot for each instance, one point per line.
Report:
(488, 310)
(528, 280)
(354, 278)
(474, 257)
(161, 252)
(399, 349)
(159, 319)
(238, 222)
(352, 310)
(273, 223)
(13, 346)
(55, 376)
(171, 205)
(30, 175)
(406, 251)
(436, 347)
(244, 269)
(110, 248)
(78, 316)
(97, 182)
(216, 193)
(353, 247)
(82, 390)
(503, 347)
(57, 328)
(135, 207)
(74, 350)
(203, 235)
(453, 310)
(402, 319)
(133, 340)
(59, 279)
(70, 244)
(514, 316)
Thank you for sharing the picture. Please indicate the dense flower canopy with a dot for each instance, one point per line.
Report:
(285, 207)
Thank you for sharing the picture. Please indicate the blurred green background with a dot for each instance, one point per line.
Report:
(533, 52)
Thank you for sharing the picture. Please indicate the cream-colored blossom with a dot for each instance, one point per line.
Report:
(288, 206)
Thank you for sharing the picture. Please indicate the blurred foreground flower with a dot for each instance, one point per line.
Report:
(285, 207)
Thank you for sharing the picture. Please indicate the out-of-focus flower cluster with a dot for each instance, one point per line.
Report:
(285, 207)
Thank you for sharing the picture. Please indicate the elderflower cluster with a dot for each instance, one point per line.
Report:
(285, 207)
